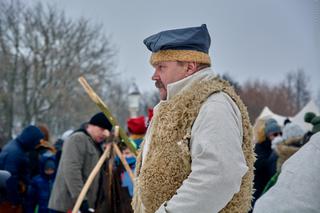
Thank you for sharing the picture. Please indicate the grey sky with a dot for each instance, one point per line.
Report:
(250, 39)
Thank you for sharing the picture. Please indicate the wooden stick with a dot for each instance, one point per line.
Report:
(124, 162)
(91, 177)
(104, 108)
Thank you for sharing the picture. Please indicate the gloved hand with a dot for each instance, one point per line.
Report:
(84, 208)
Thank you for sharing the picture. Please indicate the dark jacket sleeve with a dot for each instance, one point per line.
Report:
(17, 165)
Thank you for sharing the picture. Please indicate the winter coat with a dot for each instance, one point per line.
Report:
(285, 149)
(297, 187)
(40, 188)
(14, 159)
(265, 166)
(79, 156)
(4, 176)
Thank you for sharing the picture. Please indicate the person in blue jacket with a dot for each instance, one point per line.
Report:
(14, 159)
(40, 188)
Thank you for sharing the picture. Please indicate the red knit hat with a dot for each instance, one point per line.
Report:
(137, 125)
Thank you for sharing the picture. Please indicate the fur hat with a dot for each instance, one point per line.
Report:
(101, 120)
(186, 44)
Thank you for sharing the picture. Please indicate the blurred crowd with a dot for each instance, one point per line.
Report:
(275, 182)
(29, 165)
(33, 168)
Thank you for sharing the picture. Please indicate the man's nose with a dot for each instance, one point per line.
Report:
(155, 75)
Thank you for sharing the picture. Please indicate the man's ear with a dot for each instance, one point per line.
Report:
(191, 68)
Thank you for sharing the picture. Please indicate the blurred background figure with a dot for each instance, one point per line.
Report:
(284, 147)
(314, 120)
(297, 188)
(4, 176)
(316, 124)
(265, 165)
(137, 129)
(59, 144)
(14, 159)
(81, 152)
(40, 188)
(43, 147)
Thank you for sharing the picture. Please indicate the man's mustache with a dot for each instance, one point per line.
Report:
(159, 84)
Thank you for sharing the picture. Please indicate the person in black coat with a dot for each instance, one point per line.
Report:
(266, 163)
(14, 159)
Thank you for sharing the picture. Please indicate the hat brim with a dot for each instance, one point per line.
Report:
(180, 55)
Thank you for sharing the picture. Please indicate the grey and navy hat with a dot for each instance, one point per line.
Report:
(187, 44)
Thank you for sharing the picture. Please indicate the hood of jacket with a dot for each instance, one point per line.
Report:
(47, 160)
(30, 137)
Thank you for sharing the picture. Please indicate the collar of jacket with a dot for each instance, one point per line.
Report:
(178, 86)
(97, 145)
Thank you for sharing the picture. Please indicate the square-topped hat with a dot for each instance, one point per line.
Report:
(186, 44)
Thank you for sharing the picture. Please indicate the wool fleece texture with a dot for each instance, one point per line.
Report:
(168, 161)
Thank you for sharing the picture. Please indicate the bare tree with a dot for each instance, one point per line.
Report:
(234, 83)
(10, 34)
(257, 94)
(297, 88)
(42, 54)
(116, 97)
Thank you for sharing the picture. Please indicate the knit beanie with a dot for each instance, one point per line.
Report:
(271, 126)
(292, 130)
(137, 125)
(309, 116)
(316, 124)
(101, 120)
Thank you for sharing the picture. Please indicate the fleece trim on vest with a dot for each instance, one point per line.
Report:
(168, 161)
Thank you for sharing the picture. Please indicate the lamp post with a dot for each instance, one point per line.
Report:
(134, 100)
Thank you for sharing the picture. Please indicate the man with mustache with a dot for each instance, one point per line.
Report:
(197, 155)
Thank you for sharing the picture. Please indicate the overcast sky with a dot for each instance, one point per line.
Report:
(250, 39)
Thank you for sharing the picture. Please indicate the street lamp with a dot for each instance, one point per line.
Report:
(134, 100)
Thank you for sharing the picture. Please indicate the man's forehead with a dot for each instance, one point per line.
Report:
(163, 63)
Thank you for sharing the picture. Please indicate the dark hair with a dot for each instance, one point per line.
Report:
(287, 121)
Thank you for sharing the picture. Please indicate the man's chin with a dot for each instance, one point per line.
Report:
(163, 94)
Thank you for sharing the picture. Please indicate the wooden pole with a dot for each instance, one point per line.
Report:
(104, 108)
(123, 161)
